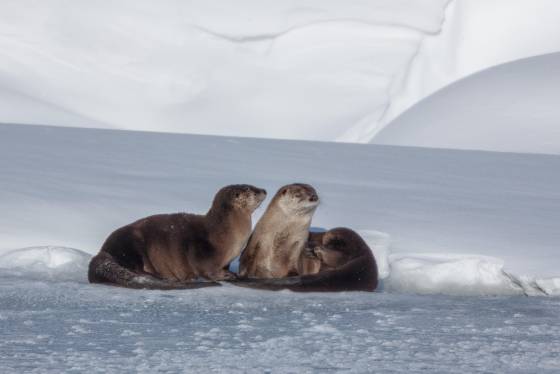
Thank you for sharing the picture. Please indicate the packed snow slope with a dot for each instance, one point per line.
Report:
(512, 108)
(476, 35)
(312, 69)
(308, 70)
(458, 222)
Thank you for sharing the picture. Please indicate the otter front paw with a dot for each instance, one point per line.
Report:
(224, 275)
(310, 253)
(228, 275)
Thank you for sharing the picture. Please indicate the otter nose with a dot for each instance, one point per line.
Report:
(313, 197)
(262, 191)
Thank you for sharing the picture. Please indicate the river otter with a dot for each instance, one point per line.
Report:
(279, 237)
(346, 264)
(168, 251)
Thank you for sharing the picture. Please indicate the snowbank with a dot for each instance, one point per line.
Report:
(449, 274)
(398, 273)
(512, 108)
(476, 35)
(46, 263)
(312, 70)
(315, 69)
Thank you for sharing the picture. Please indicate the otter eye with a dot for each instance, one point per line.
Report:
(237, 194)
(284, 191)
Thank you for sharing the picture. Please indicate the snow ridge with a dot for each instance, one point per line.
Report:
(398, 273)
(369, 126)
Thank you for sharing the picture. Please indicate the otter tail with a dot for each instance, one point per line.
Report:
(104, 269)
(357, 275)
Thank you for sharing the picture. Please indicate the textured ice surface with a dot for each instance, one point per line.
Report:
(63, 326)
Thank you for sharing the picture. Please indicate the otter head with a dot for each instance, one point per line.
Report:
(241, 197)
(337, 246)
(297, 198)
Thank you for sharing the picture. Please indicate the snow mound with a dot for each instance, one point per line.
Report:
(46, 263)
(466, 275)
(550, 286)
(449, 274)
(511, 107)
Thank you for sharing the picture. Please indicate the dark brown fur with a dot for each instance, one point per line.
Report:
(346, 264)
(173, 250)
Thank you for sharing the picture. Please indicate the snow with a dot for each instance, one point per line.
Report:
(509, 108)
(48, 262)
(460, 236)
(208, 67)
(451, 274)
(315, 69)
(476, 35)
(496, 212)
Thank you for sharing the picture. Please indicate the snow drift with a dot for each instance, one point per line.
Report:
(423, 273)
(512, 107)
(46, 263)
(318, 70)
(310, 70)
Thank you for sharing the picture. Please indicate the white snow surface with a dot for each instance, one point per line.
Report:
(306, 70)
(489, 218)
(312, 69)
(477, 35)
(509, 108)
(47, 262)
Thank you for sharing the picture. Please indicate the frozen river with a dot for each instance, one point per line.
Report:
(75, 327)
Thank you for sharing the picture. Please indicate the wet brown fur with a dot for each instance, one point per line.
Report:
(173, 250)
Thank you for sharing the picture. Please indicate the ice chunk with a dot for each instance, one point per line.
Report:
(449, 274)
(46, 262)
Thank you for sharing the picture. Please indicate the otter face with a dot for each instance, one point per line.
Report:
(336, 248)
(242, 196)
(248, 197)
(330, 257)
(298, 198)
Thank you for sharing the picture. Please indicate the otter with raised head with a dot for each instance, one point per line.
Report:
(279, 237)
(169, 251)
(346, 264)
